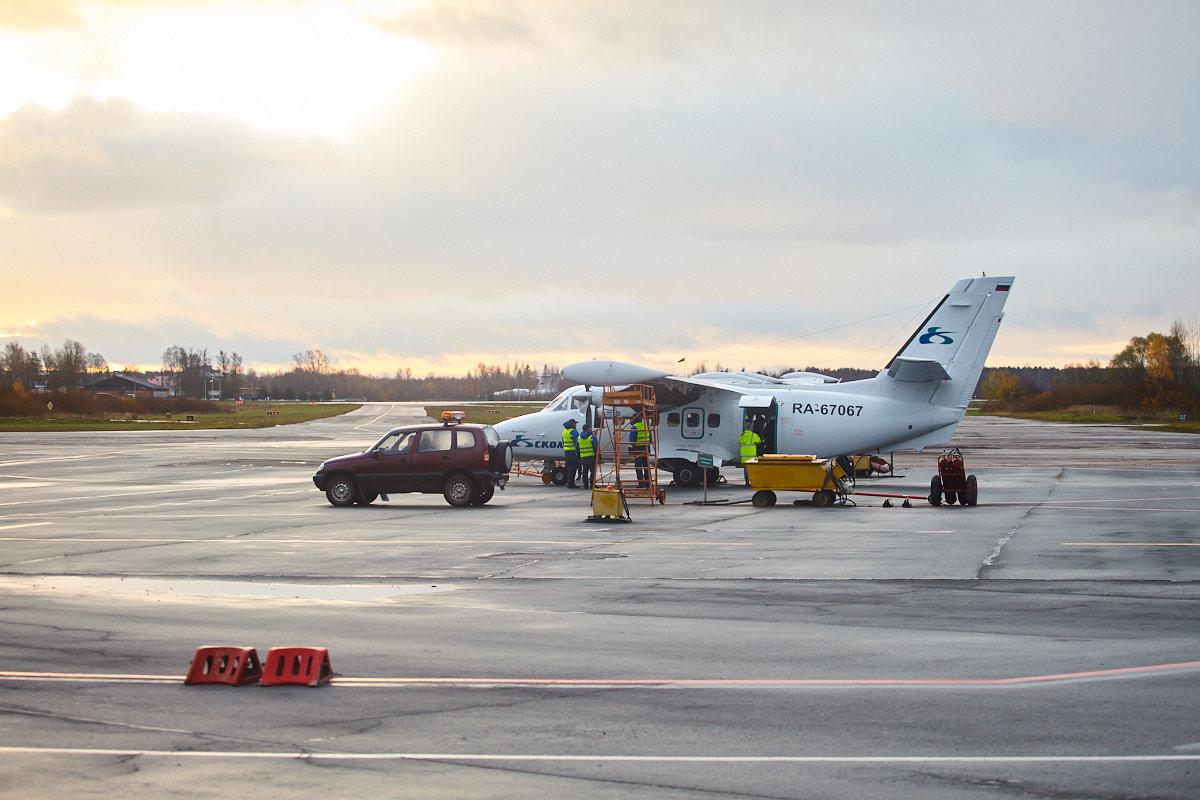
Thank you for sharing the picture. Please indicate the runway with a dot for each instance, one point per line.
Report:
(1045, 643)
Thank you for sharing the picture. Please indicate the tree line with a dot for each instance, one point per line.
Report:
(194, 373)
(1156, 372)
(1153, 373)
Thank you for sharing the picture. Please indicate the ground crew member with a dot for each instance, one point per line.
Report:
(587, 455)
(570, 437)
(639, 440)
(749, 441)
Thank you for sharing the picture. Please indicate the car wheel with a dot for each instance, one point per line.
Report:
(341, 491)
(366, 499)
(502, 458)
(458, 490)
(485, 493)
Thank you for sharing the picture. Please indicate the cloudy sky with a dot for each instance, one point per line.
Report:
(432, 185)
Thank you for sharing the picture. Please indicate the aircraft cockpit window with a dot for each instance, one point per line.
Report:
(560, 403)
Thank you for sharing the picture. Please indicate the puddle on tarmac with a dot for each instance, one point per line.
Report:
(356, 592)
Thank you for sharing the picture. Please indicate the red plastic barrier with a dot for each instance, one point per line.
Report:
(234, 666)
(307, 666)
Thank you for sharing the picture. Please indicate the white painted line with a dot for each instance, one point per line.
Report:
(655, 683)
(601, 758)
(23, 525)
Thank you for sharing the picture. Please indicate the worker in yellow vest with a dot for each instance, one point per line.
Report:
(639, 441)
(749, 442)
(571, 452)
(587, 455)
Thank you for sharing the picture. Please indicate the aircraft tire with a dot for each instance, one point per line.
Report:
(687, 474)
(558, 475)
(484, 494)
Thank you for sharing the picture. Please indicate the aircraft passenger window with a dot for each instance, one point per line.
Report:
(714, 420)
(464, 440)
(435, 441)
(673, 419)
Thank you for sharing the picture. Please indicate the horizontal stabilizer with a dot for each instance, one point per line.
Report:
(917, 370)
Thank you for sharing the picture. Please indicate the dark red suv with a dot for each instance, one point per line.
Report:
(464, 462)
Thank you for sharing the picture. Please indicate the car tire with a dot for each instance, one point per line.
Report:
(341, 491)
(366, 499)
(458, 490)
(502, 457)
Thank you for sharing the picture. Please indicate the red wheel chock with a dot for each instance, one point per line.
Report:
(234, 666)
(307, 666)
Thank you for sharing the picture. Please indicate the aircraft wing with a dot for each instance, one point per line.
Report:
(670, 390)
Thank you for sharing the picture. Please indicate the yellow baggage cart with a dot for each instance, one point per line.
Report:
(823, 477)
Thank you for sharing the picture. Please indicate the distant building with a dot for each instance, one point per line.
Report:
(128, 385)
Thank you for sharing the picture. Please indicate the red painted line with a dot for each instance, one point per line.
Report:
(715, 683)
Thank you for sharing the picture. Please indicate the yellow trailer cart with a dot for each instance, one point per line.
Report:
(824, 477)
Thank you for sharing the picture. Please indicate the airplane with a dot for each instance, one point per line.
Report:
(916, 401)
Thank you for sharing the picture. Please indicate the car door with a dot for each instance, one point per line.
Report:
(392, 466)
(433, 458)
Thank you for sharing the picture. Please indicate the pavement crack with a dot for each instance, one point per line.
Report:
(990, 562)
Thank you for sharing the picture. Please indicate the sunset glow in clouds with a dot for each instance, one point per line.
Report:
(431, 185)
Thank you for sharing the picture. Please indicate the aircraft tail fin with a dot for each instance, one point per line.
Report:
(951, 345)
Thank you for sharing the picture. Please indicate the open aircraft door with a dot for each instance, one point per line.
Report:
(759, 412)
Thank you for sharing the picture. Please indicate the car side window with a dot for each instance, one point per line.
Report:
(435, 441)
(404, 444)
(464, 440)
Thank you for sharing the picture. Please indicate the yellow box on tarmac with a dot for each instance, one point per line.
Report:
(793, 473)
(607, 503)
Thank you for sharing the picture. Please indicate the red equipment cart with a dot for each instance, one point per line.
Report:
(953, 481)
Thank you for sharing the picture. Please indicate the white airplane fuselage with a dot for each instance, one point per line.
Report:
(915, 402)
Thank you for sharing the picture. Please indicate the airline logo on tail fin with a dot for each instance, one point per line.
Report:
(936, 332)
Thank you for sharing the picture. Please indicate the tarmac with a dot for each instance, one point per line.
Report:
(1045, 643)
